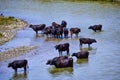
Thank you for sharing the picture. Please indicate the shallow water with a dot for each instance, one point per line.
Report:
(104, 59)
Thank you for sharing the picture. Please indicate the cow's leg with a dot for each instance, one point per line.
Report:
(15, 69)
(24, 68)
(59, 53)
(68, 52)
(61, 35)
(76, 35)
(89, 46)
(94, 30)
(71, 34)
(36, 33)
(80, 45)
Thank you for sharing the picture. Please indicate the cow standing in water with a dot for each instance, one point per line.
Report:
(37, 28)
(63, 47)
(74, 31)
(18, 64)
(81, 55)
(61, 62)
(65, 32)
(88, 41)
(96, 27)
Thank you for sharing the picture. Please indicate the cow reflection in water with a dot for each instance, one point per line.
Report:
(19, 76)
(82, 61)
(54, 70)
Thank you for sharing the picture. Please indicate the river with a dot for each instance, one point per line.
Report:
(104, 59)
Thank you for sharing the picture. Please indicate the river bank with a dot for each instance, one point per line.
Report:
(8, 28)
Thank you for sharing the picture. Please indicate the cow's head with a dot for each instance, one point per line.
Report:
(93, 40)
(74, 54)
(10, 64)
(49, 62)
(57, 47)
(30, 26)
(91, 27)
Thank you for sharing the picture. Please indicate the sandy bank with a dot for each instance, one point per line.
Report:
(8, 29)
(15, 52)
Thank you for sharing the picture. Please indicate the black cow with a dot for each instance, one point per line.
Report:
(61, 62)
(82, 54)
(74, 31)
(18, 64)
(63, 24)
(62, 47)
(66, 32)
(96, 27)
(37, 28)
(88, 41)
(59, 32)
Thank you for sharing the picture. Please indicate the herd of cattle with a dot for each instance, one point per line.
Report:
(57, 31)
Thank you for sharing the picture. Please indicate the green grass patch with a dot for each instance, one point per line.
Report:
(7, 20)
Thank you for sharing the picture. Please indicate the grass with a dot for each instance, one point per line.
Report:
(1, 35)
(7, 20)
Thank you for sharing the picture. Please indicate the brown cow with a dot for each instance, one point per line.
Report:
(82, 54)
(55, 25)
(62, 47)
(37, 28)
(96, 27)
(88, 41)
(18, 64)
(61, 62)
(74, 31)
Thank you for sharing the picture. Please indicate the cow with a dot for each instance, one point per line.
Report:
(88, 41)
(61, 62)
(96, 27)
(37, 28)
(48, 31)
(75, 31)
(63, 24)
(18, 64)
(55, 25)
(65, 32)
(63, 47)
(81, 55)
(59, 32)
(51, 62)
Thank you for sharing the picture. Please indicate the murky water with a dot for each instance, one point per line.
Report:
(104, 59)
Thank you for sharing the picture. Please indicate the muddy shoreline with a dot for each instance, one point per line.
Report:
(8, 33)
